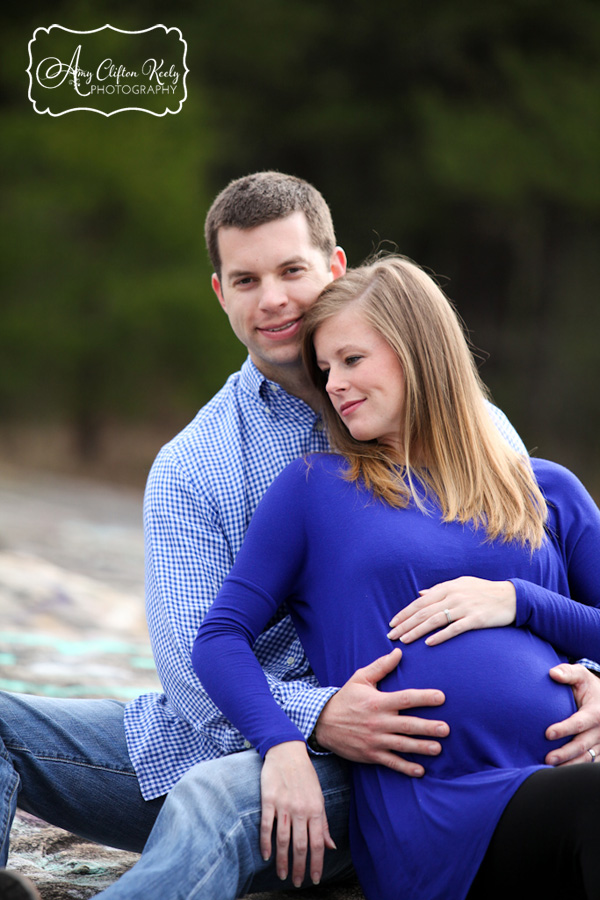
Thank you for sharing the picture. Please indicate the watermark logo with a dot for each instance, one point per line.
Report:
(107, 70)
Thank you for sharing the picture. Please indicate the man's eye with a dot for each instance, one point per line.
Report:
(242, 282)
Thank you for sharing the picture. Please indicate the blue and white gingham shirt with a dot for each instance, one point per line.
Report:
(201, 494)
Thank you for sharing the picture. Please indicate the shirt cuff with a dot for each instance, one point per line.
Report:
(591, 665)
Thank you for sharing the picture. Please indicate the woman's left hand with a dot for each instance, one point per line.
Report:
(463, 604)
(293, 807)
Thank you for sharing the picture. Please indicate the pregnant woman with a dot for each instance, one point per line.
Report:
(424, 531)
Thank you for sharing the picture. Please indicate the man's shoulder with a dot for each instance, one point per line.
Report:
(220, 417)
(215, 416)
(211, 436)
(506, 428)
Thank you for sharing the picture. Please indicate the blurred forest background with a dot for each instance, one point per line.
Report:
(465, 133)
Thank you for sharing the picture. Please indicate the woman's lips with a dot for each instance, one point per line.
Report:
(349, 406)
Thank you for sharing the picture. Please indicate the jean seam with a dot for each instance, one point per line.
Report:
(7, 820)
(70, 761)
(227, 840)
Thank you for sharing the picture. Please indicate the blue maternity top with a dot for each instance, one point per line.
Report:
(344, 563)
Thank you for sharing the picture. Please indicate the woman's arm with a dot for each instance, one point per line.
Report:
(188, 556)
(263, 576)
(572, 628)
(569, 623)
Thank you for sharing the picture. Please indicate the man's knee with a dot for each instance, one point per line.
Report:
(227, 787)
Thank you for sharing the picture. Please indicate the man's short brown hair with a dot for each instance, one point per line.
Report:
(265, 197)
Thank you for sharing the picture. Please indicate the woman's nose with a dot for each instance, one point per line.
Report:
(335, 383)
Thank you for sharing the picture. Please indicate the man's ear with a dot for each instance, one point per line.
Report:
(338, 263)
(216, 286)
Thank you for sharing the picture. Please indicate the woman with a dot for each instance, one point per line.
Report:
(423, 491)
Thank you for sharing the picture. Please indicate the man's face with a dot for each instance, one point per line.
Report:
(270, 275)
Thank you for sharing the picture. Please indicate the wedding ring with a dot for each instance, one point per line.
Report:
(592, 754)
(447, 611)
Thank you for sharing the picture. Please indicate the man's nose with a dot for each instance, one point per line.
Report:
(273, 296)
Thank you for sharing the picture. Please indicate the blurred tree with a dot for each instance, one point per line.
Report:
(467, 134)
(108, 308)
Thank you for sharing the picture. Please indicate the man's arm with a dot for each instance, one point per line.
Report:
(188, 555)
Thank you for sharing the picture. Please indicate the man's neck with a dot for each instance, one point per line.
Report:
(294, 380)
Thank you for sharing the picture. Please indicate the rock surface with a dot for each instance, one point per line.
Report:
(73, 625)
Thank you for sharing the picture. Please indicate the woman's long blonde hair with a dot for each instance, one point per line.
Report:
(450, 441)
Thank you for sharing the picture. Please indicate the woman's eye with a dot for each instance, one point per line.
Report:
(351, 360)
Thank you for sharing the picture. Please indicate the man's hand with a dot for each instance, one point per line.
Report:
(292, 798)
(585, 723)
(363, 724)
(462, 604)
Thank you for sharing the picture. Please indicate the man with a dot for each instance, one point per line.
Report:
(272, 245)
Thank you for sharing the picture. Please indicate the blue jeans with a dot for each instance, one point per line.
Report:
(66, 761)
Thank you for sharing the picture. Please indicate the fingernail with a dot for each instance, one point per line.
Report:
(441, 730)
(315, 879)
(551, 735)
(553, 760)
(417, 772)
(434, 748)
(282, 875)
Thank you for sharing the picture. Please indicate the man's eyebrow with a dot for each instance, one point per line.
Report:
(238, 273)
(293, 261)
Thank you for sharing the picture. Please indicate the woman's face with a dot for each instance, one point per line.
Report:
(365, 380)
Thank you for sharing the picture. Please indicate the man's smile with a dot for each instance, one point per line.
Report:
(284, 330)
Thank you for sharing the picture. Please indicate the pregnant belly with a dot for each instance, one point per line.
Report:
(500, 698)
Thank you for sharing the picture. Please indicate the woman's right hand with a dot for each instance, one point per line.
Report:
(291, 794)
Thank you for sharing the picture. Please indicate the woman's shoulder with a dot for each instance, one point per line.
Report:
(305, 479)
(314, 467)
(557, 482)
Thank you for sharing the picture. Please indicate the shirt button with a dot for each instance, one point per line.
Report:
(247, 745)
(291, 660)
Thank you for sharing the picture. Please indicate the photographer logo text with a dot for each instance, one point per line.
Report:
(107, 70)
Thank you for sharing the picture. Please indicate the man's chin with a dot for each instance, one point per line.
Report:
(286, 359)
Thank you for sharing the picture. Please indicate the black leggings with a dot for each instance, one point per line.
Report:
(547, 842)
